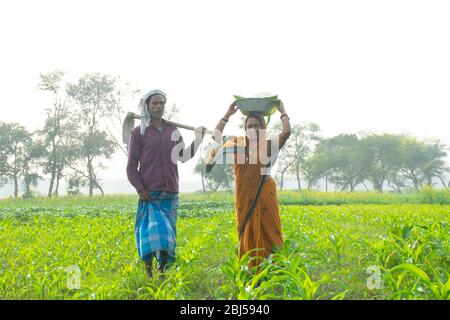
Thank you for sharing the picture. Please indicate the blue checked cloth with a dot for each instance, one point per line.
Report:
(155, 227)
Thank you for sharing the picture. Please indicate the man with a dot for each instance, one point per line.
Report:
(155, 147)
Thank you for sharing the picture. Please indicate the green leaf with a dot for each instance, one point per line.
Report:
(339, 296)
(414, 270)
(406, 232)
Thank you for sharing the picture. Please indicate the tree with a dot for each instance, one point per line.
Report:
(382, 154)
(14, 140)
(436, 169)
(299, 146)
(123, 93)
(74, 183)
(284, 163)
(419, 162)
(34, 151)
(93, 95)
(423, 162)
(312, 170)
(342, 160)
(200, 169)
(222, 175)
(295, 151)
(59, 128)
(414, 156)
(399, 160)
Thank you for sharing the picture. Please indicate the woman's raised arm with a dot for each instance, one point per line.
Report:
(286, 131)
(223, 121)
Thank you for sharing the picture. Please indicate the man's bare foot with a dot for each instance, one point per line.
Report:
(162, 273)
(148, 270)
(163, 262)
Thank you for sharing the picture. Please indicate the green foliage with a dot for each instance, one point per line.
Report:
(399, 162)
(429, 195)
(218, 202)
(14, 143)
(326, 253)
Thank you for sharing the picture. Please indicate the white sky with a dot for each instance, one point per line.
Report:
(350, 66)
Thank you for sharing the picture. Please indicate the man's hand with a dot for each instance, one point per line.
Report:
(145, 196)
(200, 132)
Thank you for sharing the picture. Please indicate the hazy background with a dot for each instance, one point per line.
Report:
(350, 66)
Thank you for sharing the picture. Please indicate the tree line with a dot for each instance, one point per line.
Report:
(381, 162)
(78, 135)
(83, 122)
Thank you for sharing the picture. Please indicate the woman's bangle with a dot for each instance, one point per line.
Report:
(284, 115)
(224, 120)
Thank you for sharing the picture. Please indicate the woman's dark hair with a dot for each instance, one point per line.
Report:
(258, 116)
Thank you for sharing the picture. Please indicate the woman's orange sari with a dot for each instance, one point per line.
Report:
(263, 231)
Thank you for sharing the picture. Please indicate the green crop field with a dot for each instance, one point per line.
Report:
(337, 246)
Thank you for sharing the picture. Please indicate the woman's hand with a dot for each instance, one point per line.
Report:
(231, 110)
(217, 134)
(280, 107)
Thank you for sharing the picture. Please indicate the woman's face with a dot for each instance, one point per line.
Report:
(253, 128)
(253, 123)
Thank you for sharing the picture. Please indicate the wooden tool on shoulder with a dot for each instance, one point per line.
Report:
(128, 125)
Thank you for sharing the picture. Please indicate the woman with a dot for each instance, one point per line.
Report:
(256, 201)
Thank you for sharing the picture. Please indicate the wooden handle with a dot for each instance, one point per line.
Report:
(176, 124)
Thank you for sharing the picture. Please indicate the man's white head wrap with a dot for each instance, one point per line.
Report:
(143, 106)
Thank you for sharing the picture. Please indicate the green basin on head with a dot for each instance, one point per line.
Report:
(266, 105)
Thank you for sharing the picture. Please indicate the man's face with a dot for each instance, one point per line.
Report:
(156, 106)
